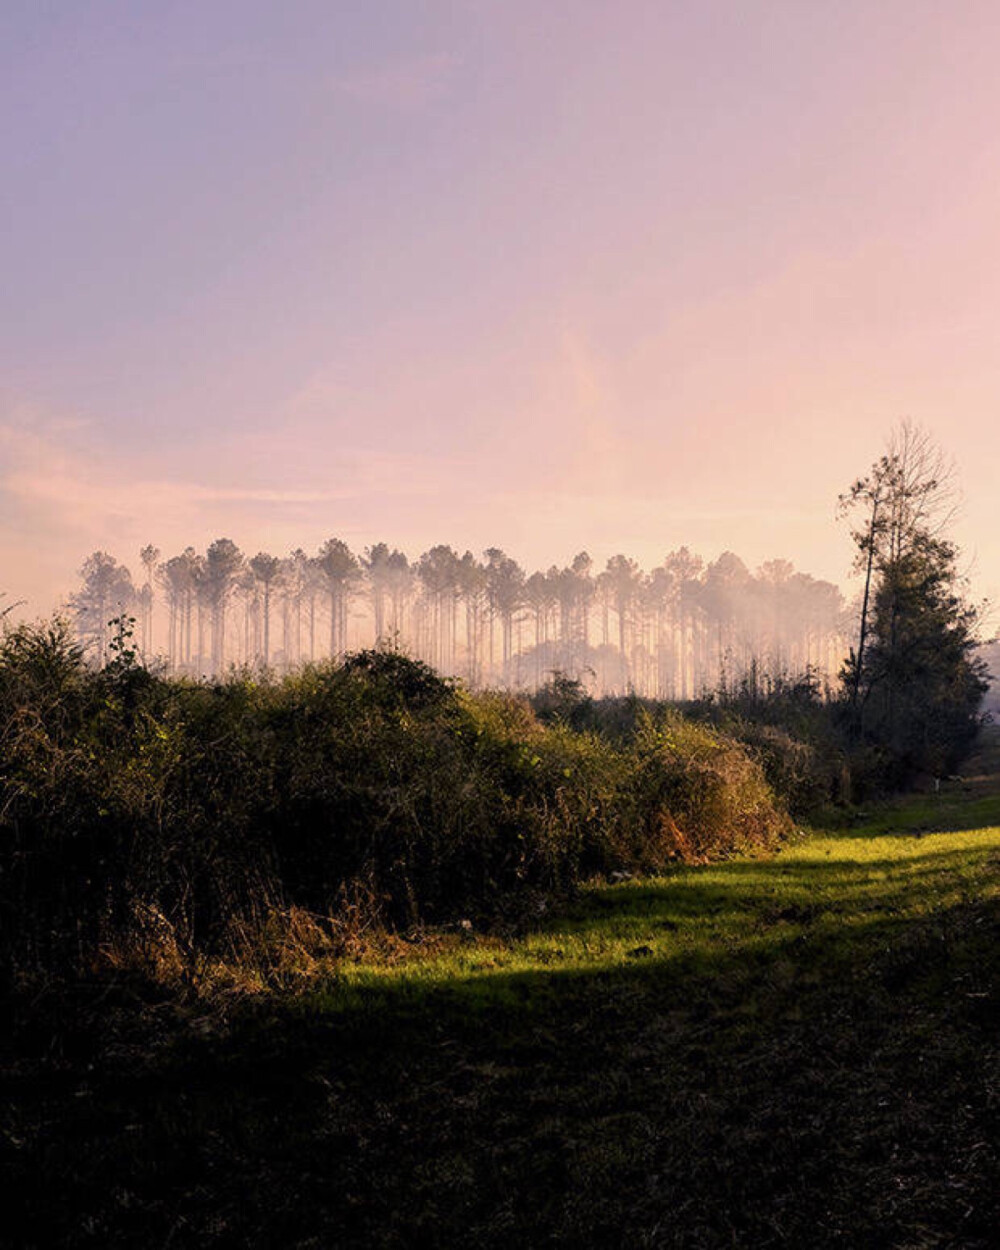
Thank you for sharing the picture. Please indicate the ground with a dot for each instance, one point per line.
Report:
(800, 1051)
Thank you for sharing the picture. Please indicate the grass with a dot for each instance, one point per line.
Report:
(801, 1051)
(826, 887)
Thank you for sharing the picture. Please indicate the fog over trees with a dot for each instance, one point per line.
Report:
(669, 632)
(991, 654)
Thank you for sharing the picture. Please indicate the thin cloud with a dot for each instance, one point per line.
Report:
(59, 501)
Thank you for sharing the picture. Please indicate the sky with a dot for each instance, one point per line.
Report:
(546, 276)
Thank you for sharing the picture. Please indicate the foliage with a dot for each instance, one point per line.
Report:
(922, 685)
(174, 822)
(563, 699)
(913, 684)
(703, 794)
(790, 724)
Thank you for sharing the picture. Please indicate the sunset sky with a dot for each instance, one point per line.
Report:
(541, 274)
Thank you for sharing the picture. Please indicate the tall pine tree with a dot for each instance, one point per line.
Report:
(913, 683)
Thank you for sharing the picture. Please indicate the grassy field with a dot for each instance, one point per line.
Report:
(800, 1051)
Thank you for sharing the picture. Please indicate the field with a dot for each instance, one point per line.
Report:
(801, 1050)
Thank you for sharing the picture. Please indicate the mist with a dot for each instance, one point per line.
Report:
(678, 630)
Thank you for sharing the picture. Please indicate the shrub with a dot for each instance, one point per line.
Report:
(177, 822)
(704, 795)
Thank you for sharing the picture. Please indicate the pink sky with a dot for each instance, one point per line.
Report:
(549, 277)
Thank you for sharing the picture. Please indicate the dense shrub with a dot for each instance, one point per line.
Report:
(794, 728)
(789, 728)
(183, 820)
(704, 795)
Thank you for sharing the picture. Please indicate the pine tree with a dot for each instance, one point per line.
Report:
(914, 684)
(107, 590)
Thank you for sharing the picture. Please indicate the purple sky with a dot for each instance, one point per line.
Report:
(547, 276)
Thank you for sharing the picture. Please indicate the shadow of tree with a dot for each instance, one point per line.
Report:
(791, 1082)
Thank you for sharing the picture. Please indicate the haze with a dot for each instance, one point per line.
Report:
(547, 277)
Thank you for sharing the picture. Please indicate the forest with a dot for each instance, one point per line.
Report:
(674, 632)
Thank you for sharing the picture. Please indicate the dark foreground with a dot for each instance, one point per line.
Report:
(834, 1080)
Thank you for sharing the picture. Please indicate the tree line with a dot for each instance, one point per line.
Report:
(671, 632)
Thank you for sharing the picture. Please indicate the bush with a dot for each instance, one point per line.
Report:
(174, 822)
(705, 796)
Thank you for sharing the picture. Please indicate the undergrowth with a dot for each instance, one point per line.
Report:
(798, 1051)
(173, 826)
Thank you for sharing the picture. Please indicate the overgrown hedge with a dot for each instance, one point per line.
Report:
(192, 820)
(791, 730)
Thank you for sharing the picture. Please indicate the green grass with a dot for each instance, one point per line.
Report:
(907, 861)
(800, 1051)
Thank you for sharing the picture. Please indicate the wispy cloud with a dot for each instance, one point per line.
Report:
(59, 501)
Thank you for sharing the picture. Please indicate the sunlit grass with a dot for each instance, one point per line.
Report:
(821, 890)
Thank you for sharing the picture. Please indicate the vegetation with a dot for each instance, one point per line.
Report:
(171, 823)
(359, 955)
(795, 1052)
(914, 681)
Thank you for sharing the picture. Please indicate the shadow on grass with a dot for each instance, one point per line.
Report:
(783, 1083)
(927, 814)
(800, 1052)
